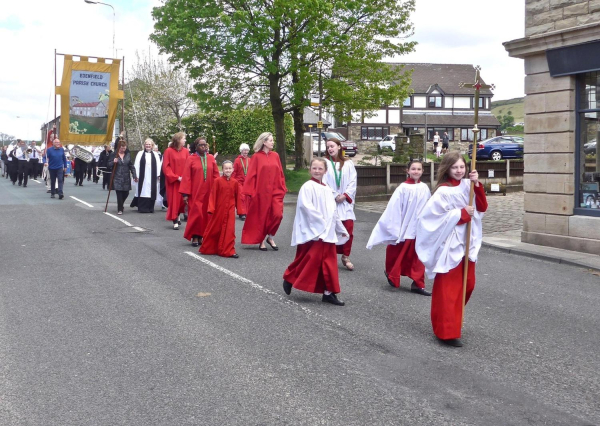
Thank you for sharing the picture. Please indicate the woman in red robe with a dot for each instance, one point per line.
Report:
(174, 160)
(199, 173)
(219, 236)
(264, 190)
(240, 170)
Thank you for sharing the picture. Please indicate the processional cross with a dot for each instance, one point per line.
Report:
(477, 85)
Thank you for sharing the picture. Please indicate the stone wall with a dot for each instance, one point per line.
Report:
(544, 16)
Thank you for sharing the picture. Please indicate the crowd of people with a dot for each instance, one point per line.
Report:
(425, 233)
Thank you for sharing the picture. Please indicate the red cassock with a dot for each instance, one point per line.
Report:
(219, 235)
(314, 268)
(402, 259)
(446, 296)
(198, 190)
(264, 188)
(240, 169)
(173, 165)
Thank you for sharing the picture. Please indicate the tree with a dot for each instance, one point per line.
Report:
(157, 94)
(6, 139)
(506, 121)
(246, 51)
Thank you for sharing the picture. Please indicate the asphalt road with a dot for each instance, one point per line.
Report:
(104, 324)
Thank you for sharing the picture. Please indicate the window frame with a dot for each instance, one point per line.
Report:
(385, 131)
(442, 102)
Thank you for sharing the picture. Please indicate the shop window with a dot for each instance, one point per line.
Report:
(587, 197)
(373, 133)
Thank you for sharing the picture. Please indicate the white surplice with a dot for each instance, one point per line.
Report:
(399, 220)
(440, 242)
(345, 209)
(146, 190)
(316, 216)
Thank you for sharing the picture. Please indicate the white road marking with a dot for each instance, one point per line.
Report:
(137, 228)
(35, 181)
(81, 201)
(118, 218)
(258, 286)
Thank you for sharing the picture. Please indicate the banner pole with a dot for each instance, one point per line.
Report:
(54, 87)
(123, 100)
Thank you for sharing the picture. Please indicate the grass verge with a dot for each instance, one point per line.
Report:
(294, 179)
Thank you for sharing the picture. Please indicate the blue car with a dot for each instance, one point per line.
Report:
(499, 148)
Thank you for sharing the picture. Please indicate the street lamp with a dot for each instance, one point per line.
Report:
(113, 9)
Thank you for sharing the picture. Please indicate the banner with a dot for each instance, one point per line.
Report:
(89, 94)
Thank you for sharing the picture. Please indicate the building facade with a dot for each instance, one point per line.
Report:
(437, 104)
(562, 105)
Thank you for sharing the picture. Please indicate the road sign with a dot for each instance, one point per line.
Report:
(319, 124)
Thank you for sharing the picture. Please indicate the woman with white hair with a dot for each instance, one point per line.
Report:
(240, 170)
(148, 166)
(264, 189)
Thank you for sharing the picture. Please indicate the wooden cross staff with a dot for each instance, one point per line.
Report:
(477, 85)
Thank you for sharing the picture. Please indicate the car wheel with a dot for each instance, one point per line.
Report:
(496, 156)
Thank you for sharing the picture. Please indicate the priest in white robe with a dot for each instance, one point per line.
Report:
(148, 166)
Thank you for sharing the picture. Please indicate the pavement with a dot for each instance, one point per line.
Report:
(502, 226)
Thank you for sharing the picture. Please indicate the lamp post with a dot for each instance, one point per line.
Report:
(113, 9)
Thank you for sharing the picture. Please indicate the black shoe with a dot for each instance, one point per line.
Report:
(89, 179)
(52, 196)
(235, 255)
(332, 298)
(262, 248)
(185, 216)
(287, 287)
(455, 343)
(388, 279)
(179, 222)
(195, 244)
(242, 216)
(76, 184)
(24, 186)
(20, 183)
(81, 184)
(274, 247)
(418, 290)
(61, 196)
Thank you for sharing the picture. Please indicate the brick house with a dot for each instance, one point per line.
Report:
(437, 103)
(562, 106)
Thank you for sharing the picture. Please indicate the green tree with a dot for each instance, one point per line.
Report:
(242, 52)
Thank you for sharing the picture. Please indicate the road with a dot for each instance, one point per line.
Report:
(102, 323)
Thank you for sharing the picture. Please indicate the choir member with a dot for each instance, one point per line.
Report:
(173, 165)
(264, 189)
(341, 176)
(219, 236)
(397, 227)
(123, 171)
(147, 166)
(317, 230)
(441, 239)
(240, 170)
(199, 173)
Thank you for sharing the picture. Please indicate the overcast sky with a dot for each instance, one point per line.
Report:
(459, 31)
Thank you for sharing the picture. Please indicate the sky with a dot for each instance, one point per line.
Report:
(459, 31)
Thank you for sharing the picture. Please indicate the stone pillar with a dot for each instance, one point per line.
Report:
(417, 143)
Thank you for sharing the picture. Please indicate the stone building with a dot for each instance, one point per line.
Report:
(561, 50)
(437, 104)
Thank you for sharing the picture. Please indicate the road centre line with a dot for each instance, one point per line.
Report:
(36, 181)
(81, 201)
(118, 218)
(258, 286)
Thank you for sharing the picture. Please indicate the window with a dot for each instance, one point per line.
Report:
(467, 134)
(407, 102)
(435, 102)
(374, 133)
(587, 201)
(482, 103)
(440, 130)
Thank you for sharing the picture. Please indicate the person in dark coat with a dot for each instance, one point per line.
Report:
(123, 171)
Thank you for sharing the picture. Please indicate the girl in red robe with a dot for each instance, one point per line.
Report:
(219, 236)
(441, 243)
(264, 190)
(174, 160)
(200, 171)
(317, 230)
(240, 170)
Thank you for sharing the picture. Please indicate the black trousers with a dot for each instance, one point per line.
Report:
(91, 170)
(121, 197)
(23, 171)
(33, 168)
(13, 168)
(105, 179)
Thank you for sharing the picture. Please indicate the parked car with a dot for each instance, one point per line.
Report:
(315, 138)
(499, 147)
(348, 146)
(590, 147)
(388, 142)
